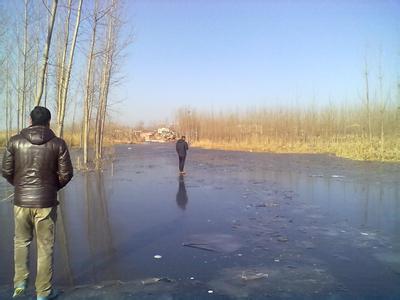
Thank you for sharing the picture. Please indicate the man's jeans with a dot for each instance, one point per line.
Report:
(181, 163)
(42, 223)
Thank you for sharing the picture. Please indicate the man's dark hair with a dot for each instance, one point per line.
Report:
(183, 137)
(40, 115)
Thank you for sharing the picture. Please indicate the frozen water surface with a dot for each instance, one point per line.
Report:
(242, 225)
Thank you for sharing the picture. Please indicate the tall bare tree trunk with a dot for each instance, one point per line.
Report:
(22, 91)
(73, 125)
(46, 52)
(89, 89)
(105, 83)
(45, 86)
(382, 110)
(46, 72)
(68, 74)
(61, 63)
(37, 57)
(7, 103)
(367, 103)
(35, 79)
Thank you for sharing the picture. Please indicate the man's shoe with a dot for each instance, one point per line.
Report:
(19, 289)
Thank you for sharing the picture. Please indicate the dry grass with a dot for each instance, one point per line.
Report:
(113, 136)
(351, 149)
(346, 131)
(2, 139)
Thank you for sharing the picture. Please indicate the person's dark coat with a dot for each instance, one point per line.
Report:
(38, 164)
(182, 147)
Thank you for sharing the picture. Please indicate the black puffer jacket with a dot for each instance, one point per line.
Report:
(182, 147)
(38, 164)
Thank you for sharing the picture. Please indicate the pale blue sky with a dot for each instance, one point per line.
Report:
(241, 54)
(234, 55)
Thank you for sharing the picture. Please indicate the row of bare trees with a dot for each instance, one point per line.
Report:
(292, 124)
(45, 48)
(369, 129)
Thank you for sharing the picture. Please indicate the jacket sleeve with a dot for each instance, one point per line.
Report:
(7, 169)
(65, 169)
(186, 146)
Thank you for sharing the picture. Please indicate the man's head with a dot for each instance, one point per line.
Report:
(40, 116)
(183, 137)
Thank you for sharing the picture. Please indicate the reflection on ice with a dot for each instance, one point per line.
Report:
(181, 196)
(258, 226)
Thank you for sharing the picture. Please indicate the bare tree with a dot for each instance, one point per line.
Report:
(65, 82)
(4, 66)
(107, 68)
(61, 69)
(23, 88)
(382, 107)
(46, 52)
(7, 104)
(89, 86)
(367, 102)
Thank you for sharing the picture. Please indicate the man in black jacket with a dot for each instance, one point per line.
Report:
(37, 164)
(181, 148)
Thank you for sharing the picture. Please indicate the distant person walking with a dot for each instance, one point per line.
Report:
(181, 148)
(37, 164)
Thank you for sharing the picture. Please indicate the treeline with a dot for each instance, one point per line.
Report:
(363, 132)
(367, 129)
(62, 54)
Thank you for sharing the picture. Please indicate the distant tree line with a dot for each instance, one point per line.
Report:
(369, 130)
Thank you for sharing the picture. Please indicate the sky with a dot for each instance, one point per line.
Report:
(230, 55)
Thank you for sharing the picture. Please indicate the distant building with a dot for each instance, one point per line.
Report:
(163, 130)
(166, 134)
(147, 136)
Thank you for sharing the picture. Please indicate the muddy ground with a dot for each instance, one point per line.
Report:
(237, 226)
